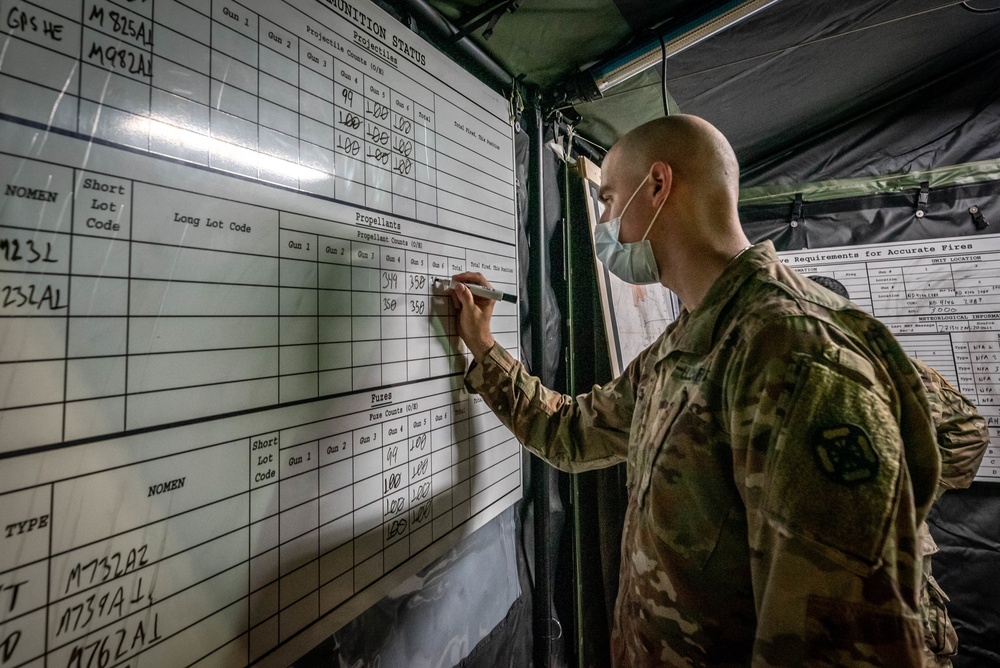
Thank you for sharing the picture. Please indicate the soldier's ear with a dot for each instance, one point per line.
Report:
(661, 177)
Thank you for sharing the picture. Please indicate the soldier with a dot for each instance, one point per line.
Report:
(780, 453)
(962, 437)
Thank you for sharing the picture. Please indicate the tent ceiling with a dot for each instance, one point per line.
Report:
(549, 39)
(769, 82)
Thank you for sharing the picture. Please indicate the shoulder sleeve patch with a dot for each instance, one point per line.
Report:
(832, 475)
(845, 454)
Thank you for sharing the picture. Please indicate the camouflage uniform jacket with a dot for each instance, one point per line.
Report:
(962, 433)
(780, 459)
(962, 437)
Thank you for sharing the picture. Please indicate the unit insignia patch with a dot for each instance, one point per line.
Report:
(845, 454)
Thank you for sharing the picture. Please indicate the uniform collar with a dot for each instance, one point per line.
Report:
(694, 330)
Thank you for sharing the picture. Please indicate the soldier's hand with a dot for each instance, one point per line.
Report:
(474, 314)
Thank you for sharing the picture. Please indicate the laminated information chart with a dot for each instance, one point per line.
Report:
(232, 413)
(941, 299)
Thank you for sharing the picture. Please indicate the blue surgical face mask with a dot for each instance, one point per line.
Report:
(632, 262)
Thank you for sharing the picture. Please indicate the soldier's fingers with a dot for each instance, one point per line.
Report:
(463, 295)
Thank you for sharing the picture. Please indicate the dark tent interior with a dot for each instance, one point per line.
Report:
(212, 379)
(854, 122)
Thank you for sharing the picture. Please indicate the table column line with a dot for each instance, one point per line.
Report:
(79, 87)
(434, 98)
(250, 555)
(354, 507)
(350, 319)
(277, 257)
(318, 372)
(149, 138)
(128, 299)
(210, 75)
(48, 565)
(868, 281)
(278, 479)
(256, 70)
(69, 301)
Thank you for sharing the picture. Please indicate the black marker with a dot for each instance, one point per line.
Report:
(477, 290)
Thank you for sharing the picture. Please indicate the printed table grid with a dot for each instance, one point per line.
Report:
(236, 421)
(941, 299)
(153, 280)
(429, 183)
(305, 531)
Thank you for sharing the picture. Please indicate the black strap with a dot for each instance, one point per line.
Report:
(978, 218)
(797, 210)
(922, 198)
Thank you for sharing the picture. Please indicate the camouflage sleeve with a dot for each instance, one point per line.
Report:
(571, 433)
(962, 433)
(818, 461)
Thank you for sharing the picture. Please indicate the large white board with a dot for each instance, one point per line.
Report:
(231, 406)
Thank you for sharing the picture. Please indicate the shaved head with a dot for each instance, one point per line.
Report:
(698, 153)
(675, 183)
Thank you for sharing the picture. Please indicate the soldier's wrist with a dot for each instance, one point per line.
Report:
(481, 347)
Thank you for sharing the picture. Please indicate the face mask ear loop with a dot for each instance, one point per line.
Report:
(654, 220)
(644, 179)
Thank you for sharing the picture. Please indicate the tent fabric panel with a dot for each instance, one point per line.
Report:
(625, 106)
(545, 40)
(964, 525)
(951, 120)
(784, 76)
(642, 14)
(875, 219)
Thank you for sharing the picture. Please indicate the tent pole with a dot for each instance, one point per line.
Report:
(571, 384)
(541, 472)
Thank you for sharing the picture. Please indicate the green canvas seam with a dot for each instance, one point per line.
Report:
(952, 175)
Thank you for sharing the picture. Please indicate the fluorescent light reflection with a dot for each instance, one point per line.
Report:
(253, 160)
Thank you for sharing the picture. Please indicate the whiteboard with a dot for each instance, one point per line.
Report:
(634, 315)
(231, 405)
(941, 300)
